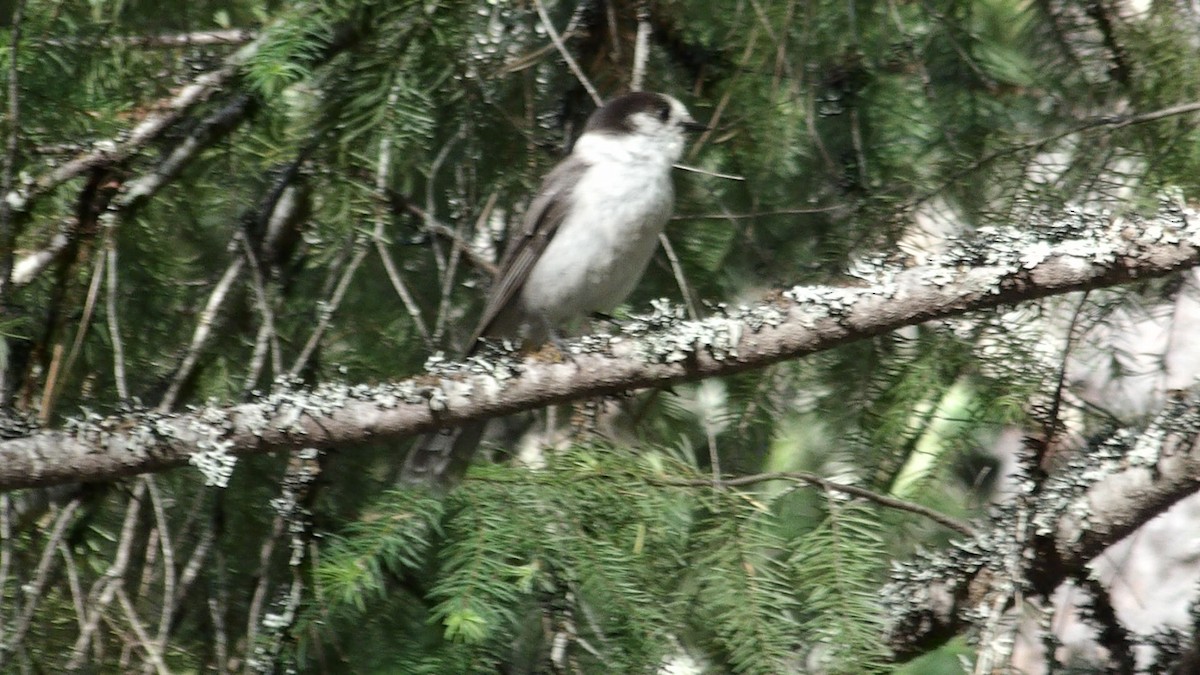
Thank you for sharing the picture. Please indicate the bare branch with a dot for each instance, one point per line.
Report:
(566, 55)
(135, 192)
(685, 289)
(833, 486)
(641, 47)
(204, 325)
(401, 203)
(200, 38)
(153, 655)
(327, 308)
(34, 588)
(108, 153)
(30, 266)
(382, 178)
(114, 327)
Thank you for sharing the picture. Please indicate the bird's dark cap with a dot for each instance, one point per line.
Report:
(615, 116)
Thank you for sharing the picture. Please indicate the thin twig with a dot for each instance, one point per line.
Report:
(203, 38)
(149, 564)
(107, 153)
(398, 285)
(1050, 425)
(33, 590)
(204, 326)
(706, 172)
(566, 56)
(258, 359)
(192, 569)
(267, 339)
(382, 172)
(264, 579)
(677, 269)
(824, 483)
(114, 327)
(217, 604)
(73, 584)
(85, 322)
(456, 253)
(1109, 121)
(641, 47)
(296, 491)
(104, 589)
(756, 214)
(610, 14)
(327, 308)
(162, 524)
(401, 203)
(56, 356)
(6, 552)
(450, 266)
(431, 181)
(153, 656)
(133, 193)
(31, 265)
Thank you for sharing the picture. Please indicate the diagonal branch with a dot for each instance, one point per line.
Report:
(153, 126)
(1101, 497)
(1075, 252)
(200, 38)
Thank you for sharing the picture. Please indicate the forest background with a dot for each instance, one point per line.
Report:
(910, 386)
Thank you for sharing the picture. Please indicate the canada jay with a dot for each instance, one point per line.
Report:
(585, 241)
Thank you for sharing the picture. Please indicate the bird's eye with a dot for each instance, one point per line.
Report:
(664, 114)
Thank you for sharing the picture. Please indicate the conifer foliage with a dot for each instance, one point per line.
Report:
(224, 202)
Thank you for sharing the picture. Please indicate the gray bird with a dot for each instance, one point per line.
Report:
(586, 240)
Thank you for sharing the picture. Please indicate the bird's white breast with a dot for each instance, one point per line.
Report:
(618, 209)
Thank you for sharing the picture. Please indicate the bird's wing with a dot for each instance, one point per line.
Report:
(542, 220)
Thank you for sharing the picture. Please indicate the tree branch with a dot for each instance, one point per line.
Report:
(1114, 489)
(200, 38)
(834, 486)
(109, 153)
(1076, 252)
(1103, 495)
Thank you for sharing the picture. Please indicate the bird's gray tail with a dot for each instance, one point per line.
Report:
(441, 458)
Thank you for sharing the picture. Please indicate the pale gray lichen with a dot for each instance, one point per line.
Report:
(1069, 493)
(718, 336)
(276, 621)
(1035, 254)
(759, 317)
(665, 336)
(438, 400)
(212, 455)
(215, 462)
(592, 344)
(826, 301)
(254, 419)
(939, 276)
(16, 200)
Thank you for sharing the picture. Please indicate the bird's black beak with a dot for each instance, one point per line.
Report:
(694, 127)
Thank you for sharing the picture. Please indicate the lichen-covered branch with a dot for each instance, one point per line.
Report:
(1100, 497)
(1069, 252)
(109, 153)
